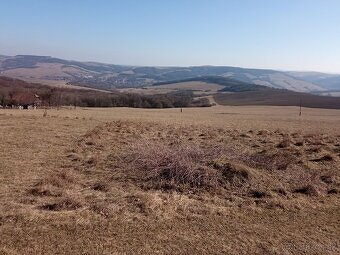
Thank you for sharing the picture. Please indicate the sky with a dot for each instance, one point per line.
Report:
(277, 34)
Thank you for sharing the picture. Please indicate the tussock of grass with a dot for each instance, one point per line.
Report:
(101, 186)
(273, 160)
(54, 183)
(235, 173)
(173, 167)
(64, 203)
(286, 142)
(258, 193)
(327, 157)
(309, 190)
(46, 190)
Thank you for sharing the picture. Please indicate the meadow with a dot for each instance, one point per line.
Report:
(216, 180)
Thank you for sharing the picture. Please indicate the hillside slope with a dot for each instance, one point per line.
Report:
(278, 98)
(327, 81)
(107, 76)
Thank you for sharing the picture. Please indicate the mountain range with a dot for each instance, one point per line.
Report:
(50, 70)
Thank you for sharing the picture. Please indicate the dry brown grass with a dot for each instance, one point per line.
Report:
(199, 88)
(171, 166)
(116, 182)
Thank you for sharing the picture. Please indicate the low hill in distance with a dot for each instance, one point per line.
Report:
(50, 70)
(327, 81)
(205, 85)
(225, 83)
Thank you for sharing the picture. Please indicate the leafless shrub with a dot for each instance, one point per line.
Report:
(173, 166)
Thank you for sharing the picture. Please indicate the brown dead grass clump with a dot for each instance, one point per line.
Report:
(314, 139)
(236, 174)
(64, 203)
(54, 184)
(273, 160)
(173, 166)
(309, 190)
(61, 178)
(58, 191)
(259, 193)
(101, 186)
(46, 190)
(286, 142)
(327, 157)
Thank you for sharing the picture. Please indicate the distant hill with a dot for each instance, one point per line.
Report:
(15, 92)
(50, 70)
(277, 97)
(227, 84)
(327, 81)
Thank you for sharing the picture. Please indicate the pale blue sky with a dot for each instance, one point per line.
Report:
(278, 34)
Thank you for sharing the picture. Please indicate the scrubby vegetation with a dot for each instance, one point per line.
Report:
(204, 182)
(223, 162)
(11, 88)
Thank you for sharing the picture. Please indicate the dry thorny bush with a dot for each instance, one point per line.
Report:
(177, 166)
(258, 165)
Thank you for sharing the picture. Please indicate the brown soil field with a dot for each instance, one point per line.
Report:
(218, 180)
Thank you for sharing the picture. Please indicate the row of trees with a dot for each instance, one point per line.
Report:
(18, 92)
(91, 99)
(55, 97)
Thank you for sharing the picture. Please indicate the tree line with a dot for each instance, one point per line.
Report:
(55, 97)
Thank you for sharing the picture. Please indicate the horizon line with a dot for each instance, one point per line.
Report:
(179, 66)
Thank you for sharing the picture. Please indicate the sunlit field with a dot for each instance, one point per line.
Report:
(232, 180)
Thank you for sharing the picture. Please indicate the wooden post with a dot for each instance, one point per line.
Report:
(300, 113)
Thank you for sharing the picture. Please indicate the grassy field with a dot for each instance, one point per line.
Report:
(278, 98)
(199, 88)
(218, 180)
